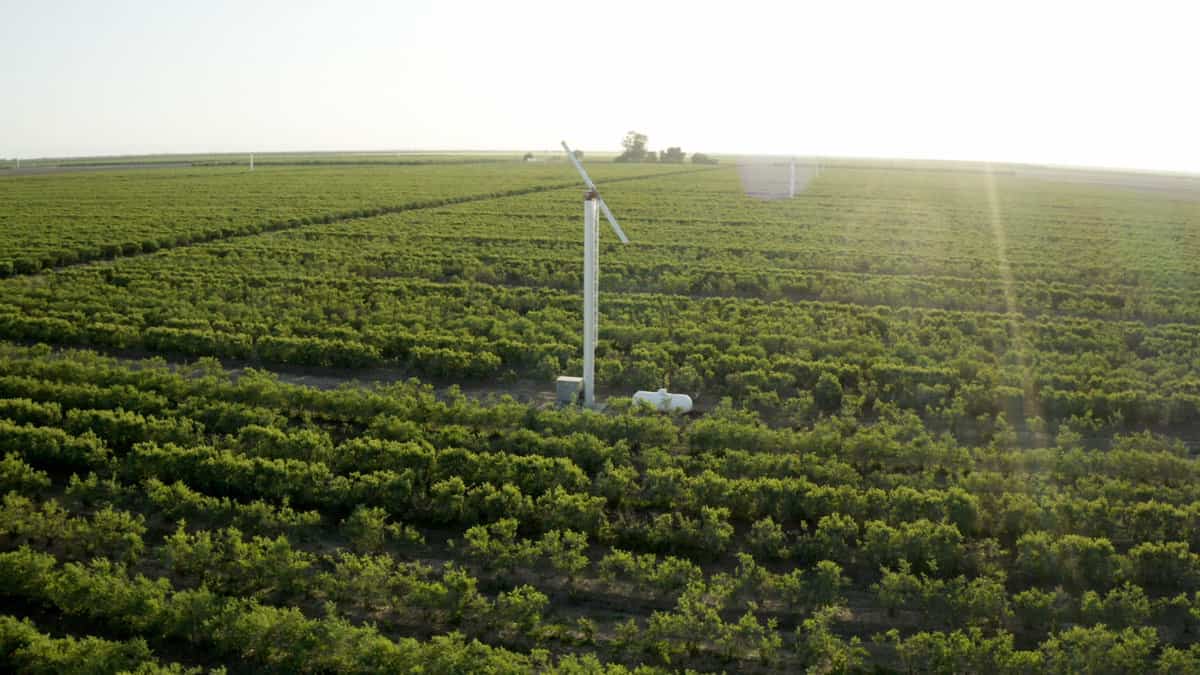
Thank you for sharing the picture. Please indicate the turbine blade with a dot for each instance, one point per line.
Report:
(612, 220)
(579, 167)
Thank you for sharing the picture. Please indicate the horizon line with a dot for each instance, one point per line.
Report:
(723, 154)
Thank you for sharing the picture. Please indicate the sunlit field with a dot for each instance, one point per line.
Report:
(302, 419)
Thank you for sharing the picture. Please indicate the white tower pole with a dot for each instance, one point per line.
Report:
(18, 162)
(591, 274)
(792, 178)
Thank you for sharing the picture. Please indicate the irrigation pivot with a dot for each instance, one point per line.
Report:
(592, 205)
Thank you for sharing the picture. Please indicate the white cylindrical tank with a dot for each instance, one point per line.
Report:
(665, 401)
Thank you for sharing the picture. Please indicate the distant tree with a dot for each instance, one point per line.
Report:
(650, 156)
(674, 155)
(635, 147)
(701, 158)
(528, 157)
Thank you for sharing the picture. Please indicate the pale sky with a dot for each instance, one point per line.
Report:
(1084, 83)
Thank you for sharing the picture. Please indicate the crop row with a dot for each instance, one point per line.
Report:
(53, 220)
(958, 365)
(1002, 540)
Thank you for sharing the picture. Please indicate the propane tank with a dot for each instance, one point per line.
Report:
(665, 401)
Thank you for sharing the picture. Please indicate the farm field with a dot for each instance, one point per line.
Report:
(53, 220)
(948, 419)
(381, 158)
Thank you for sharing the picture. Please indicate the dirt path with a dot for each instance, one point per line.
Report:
(524, 391)
(533, 392)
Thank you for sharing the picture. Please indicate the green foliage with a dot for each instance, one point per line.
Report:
(932, 546)
(226, 561)
(520, 609)
(672, 155)
(16, 475)
(368, 530)
(635, 147)
(1042, 611)
(820, 650)
(835, 537)
(828, 393)
(875, 413)
(649, 575)
(1164, 566)
(964, 651)
(749, 636)
(708, 535)
(1072, 560)
(768, 540)
(497, 547)
(1174, 660)
(23, 648)
(1100, 650)
(566, 551)
(117, 534)
(1124, 607)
